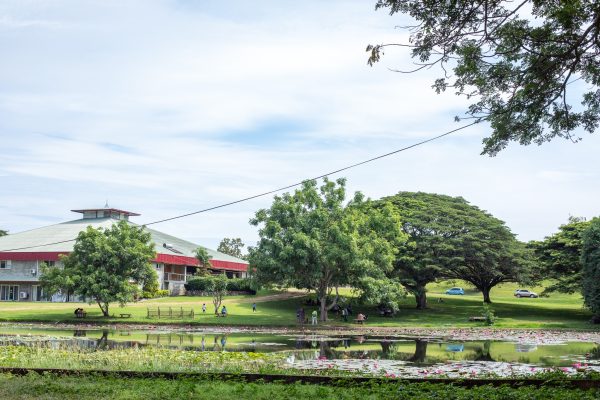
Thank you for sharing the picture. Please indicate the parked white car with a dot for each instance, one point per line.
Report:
(525, 293)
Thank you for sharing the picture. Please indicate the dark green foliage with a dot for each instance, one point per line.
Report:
(233, 247)
(155, 294)
(202, 284)
(241, 285)
(590, 260)
(488, 314)
(106, 265)
(449, 238)
(3, 233)
(559, 256)
(150, 289)
(312, 240)
(514, 59)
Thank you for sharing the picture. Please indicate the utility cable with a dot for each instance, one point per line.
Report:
(317, 177)
(284, 187)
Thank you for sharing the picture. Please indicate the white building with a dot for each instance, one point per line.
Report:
(22, 253)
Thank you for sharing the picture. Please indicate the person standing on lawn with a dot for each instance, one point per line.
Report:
(253, 307)
(315, 314)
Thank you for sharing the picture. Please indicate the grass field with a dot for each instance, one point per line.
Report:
(50, 387)
(558, 311)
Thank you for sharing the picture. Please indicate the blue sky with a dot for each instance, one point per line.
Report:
(167, 107)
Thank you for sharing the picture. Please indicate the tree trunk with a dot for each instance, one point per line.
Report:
(103, 308)
(421, 298)
(420, 351)
(486, 295)
(323, 301)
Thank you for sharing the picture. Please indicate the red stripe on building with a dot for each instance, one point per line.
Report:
(229, 265)
(216, 264)
(175, 260)
(161, 258)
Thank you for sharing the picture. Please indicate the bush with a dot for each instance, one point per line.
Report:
(155, 294)
(202, 284)
(489, 315)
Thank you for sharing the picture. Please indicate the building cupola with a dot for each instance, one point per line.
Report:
(106, 212)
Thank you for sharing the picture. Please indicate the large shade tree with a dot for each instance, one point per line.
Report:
(450, 238)
(487, 254)
(232, 246)
(590, 260)
(312, 239)
(514, 61)
(559, 256)
(106, 265)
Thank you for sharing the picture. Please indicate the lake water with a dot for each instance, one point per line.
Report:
(394, 355)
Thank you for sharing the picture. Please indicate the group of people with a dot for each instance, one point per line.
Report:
(301, 316)
(80, 312)
(224, 309)
(345, 311)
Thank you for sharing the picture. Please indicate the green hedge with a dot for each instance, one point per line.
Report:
(154, 295)
(201, 284)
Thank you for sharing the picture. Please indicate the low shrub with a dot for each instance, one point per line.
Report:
(489, 315)
(155, 294)
(201, 284)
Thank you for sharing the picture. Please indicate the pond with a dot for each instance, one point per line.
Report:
(371, 354)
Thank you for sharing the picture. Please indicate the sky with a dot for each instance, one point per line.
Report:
(165, 107)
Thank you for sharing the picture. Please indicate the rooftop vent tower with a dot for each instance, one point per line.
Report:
(106, 212)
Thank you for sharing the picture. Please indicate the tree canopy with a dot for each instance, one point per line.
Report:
(450, 238)
(232, 246)
(106, 265)
(515, 60)
(590, 259)
(559, 256)
(312, 240)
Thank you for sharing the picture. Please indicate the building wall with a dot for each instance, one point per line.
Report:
(25, 275)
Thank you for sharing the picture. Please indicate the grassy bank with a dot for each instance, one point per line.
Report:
(34, 386)
(558, 311)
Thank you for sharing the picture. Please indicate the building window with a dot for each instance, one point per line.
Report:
(5, 264)
(9, 292)
(49, 263)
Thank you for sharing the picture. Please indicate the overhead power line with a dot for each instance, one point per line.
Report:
(316, 177)
(284, 187)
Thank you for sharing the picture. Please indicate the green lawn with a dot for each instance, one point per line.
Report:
(557, 311)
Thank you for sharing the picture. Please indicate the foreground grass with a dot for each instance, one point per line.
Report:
(34, 386)
(144, 360)
(558, 311)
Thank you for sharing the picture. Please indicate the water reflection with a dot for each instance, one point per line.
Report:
(483, 353)
(417, 351)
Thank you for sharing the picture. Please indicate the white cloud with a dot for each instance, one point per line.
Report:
(167, 107)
